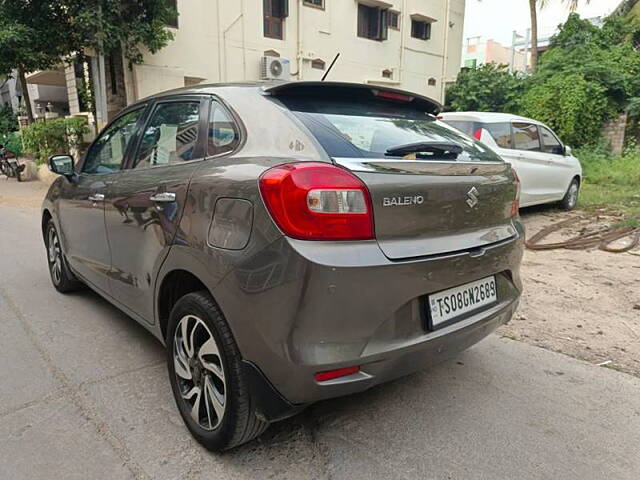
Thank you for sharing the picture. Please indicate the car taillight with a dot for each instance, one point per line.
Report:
(477, 134)
(317, 201)
(515, 206)
(338, 373)
(397, 97)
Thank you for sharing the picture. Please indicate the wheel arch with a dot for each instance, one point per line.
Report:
(174, 285)
(46, 216)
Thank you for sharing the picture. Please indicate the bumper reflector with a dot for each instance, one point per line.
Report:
(332, 374)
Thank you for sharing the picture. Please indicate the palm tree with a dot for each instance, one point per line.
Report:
(533, 4)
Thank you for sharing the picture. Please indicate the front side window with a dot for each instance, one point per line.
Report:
(501, 133)
(171, 135)
(372, 22)
(274, 13)
(223, 132)
(108, 151)
(421, 30)
(526, 137)
(550, 144)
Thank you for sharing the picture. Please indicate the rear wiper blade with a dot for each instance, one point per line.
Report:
(446, 149)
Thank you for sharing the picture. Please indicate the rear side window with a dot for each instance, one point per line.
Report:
(367, 129)
(501, 133)
(526, 137)
(464, 126)
(223, 132)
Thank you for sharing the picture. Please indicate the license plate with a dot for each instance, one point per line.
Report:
(455, 302)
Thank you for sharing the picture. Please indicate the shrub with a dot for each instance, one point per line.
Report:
(572, 106)
(59, 135)
(8, 120)
(12, 142)
(488, 88)
(602, 168)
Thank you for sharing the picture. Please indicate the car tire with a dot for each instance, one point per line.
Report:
(205, 366)
(61, 276)
(570, 199)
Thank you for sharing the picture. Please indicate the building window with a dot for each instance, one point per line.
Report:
(431, 82)
(471, 63)
(314, 3)
(420, 29)
(275, 11)
(318, 64)
(387, 73)
(372, 22)
(172, 21)
(393, 20)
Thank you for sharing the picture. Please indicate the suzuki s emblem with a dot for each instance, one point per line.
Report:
(472, 201)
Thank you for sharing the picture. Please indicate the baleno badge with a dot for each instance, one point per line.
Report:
(472, 201)
(402, 201)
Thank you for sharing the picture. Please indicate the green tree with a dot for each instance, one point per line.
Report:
(38, 34)
(488, 88)
(607, 64)
(533, 12)
(8, 120)
(33, 36)
(574, 107)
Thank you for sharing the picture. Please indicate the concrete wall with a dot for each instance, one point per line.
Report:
(220, 41)
(614, 132)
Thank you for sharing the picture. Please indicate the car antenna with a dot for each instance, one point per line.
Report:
(330, 67)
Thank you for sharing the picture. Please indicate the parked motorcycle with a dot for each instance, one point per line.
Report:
(9, 165)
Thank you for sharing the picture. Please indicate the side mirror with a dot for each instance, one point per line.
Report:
(567, 151)
(62, 165)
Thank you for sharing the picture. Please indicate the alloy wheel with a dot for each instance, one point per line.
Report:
(55, 256)
(199, 372)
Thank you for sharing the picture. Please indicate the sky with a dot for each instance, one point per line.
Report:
(497, 19)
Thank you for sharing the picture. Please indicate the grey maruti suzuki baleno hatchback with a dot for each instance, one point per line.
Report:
(288, 242)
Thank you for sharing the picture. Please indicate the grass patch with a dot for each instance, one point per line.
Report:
(611, 182)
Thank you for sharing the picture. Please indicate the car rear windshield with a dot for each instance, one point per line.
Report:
(368, 129)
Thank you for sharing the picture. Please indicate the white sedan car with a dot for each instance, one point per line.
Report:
(548, 171)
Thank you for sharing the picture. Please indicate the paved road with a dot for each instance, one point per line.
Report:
(84, 394)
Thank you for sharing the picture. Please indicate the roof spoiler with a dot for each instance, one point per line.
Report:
(351, 90)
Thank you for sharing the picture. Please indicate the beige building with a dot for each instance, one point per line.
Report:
(411, 44)
(478, 52)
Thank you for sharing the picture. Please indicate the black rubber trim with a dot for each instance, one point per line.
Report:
(270, 405)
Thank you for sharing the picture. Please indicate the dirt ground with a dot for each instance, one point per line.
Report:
(583, 303)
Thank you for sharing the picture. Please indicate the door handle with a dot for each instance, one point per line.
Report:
(96, 197)
(163, 197)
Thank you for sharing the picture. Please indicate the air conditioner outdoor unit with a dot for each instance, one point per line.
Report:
(275, 68)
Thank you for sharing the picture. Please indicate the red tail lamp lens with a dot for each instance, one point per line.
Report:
(397, 97)
(477, 134)
(332, 374)
(318, 201)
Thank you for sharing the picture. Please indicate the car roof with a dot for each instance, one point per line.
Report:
(487, 117)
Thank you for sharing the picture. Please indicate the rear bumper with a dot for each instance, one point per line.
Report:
(298, 308)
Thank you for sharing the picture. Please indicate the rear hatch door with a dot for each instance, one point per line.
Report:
(434, 190)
